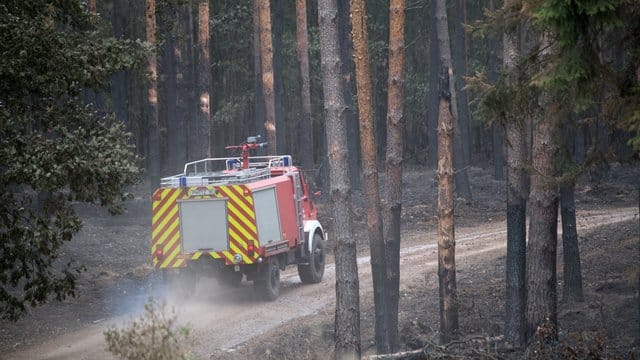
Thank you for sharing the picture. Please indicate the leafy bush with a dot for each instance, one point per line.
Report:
(155, 335)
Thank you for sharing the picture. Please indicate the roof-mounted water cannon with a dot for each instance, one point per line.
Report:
(250, 144)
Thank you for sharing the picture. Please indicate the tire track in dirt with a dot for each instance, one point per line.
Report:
(223, 320)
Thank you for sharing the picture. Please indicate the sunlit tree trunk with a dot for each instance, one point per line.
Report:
(153, 160)
(202, 140)
(302, 46)
(266, 63)
(370, 170)
(516, 213)
(347, 318)
(446, 192)
(395, 152)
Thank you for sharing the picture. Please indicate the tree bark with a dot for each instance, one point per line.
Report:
(266, 63)
(463, 188)
(302, 47)
(446, 231)
(259, 104)
(153, 159)
(347, 318)
(515, 330)
(460, 64)
(497, 131)
(278, 86)
(176, 154)
(433, 97)
(542, 246)
(347, 71)
(370, 171)
(395, 151)
(190, 91)
(572, 291)
(202, 141)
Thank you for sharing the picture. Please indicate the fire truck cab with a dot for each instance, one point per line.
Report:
(234, 218)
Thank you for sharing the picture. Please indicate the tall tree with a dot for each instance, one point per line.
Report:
(432, 94)
(395, 151)
(266, 65)
(347, 320)
(259, 104)
(542, 302)
(460, 64)
(347, 70)
(201, 143)
(51, 52)
(516, 210)
(302, 47)
(370, 171)
(446, 192)
(277, 76)
(153, 158)
(463, 188)
(497, 131)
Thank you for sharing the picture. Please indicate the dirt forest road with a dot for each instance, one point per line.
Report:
(221, 320)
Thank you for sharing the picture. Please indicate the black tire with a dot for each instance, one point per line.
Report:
(267, 285)
(312, 272)
(229, 277)
(180, 283)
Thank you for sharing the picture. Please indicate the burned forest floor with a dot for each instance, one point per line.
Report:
(299, 325)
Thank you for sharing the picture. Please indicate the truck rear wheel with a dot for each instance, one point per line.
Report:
(312, 272)
(268, 284)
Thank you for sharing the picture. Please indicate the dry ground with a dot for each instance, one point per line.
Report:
(233, 324)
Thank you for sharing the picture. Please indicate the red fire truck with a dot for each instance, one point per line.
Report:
(234, 218)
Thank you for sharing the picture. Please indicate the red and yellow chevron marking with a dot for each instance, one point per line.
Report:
(165, 224)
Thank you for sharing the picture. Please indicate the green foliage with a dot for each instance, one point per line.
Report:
(154, 336)
(55, 150)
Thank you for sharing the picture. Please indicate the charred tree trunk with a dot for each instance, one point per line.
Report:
(202, 139)
(572, 291)
(347, 70)
(432, 101)
(266, 63)
(189, 96)
(515, 330)
(302, 46)
(395, 150)
(370, 171)
(153, 158)
(446, 230)
(347, 318)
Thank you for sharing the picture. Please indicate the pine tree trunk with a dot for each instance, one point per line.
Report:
(572, 291)
(542, 246)
(202, 140)
(463, 188)
(446, 192)
(118, 80)
(302, 46)
(370, 171)
(347, 71)
(266, 63)
(259, 104)
(347, 318)
(189, 96)
(446, 232)
(460, 65)
(153, 158)
(281, 146)
(433, 97)
(515, 330)
(175, 126)
(395, 150)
